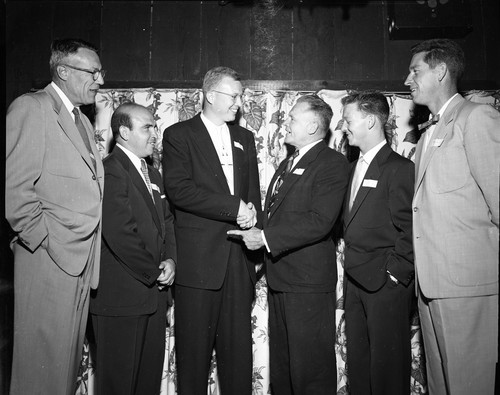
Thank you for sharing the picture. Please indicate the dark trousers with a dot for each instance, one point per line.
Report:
(378, 338)
(302, 343)
(205, 319)
(130, 352)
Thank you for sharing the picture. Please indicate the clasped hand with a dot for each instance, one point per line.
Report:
(252, 238)
(247, 215)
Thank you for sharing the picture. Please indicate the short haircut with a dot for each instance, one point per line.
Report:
(370, 102)
(60, 49)
(214, 76)
(442, 50)
(121, 117)
(320, 108)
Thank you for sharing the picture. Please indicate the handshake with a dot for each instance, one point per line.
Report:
(247, 215)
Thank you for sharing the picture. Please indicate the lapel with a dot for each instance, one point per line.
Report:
(238, 158)
(291, 178)
(69, 128)
(372, 173)
(440, 132)
(139, 183)
(206, 147)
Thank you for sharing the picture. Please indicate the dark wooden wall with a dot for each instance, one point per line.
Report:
(312, 43)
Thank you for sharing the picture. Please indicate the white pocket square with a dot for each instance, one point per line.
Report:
(238, 145)
(298, 171)
(370, 183)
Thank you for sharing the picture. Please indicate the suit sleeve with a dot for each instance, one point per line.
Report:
(25, 140)
(181, 186)
(119, 228)
(400, 260)
(170, 247)
(253, 180)
(315, 222)
(482, 147)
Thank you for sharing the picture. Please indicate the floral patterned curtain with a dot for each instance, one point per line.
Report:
(263, 112)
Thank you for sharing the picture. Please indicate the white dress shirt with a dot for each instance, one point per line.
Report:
(221, 139)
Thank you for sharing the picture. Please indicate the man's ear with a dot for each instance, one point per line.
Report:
(210, 97)
(371, 121)
(62, 72)
(312, 127)
(441, 70)
(124, 133)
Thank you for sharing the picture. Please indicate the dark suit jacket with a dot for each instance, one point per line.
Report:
(299, 225)
(137, 235)
(378, 229)
(204, 207)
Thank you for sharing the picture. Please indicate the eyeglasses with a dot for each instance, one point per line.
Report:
(95, 73)
(234, 97)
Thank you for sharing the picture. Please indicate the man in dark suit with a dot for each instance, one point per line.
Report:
(137, 262)
(303, 202)
(53, 200)
(378, 253)
(211, 177)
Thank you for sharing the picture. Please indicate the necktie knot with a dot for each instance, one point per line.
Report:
(432, 121)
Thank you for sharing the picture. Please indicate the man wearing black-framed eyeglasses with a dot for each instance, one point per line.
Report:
(54, 185)
(95, 73)
(211, 177)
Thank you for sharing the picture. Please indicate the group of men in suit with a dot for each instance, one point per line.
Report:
(78, 223)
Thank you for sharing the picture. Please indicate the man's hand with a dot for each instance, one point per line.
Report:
(166, 278)
(252, 237)
(247, 215)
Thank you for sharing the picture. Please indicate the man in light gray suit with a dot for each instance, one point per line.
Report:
(54, 184)
(455, 225)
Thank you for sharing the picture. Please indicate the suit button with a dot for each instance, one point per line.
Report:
(94, 177)
(415, 209)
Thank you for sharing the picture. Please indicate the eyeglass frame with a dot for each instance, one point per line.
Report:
(95, 74)
(234, 97)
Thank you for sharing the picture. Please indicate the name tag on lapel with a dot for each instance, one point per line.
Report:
(155, 187)
(299, 172)
(437, 142)
(238, 145)
(370, 183)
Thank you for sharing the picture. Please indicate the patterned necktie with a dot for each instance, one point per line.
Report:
(144, 169)
(281, 178)
(359, 174)
(428, 128)
(83, 133)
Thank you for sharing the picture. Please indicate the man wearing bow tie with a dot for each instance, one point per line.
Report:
(137, 262)
(303, 202)
(211, 177)
(378, 261)
(455, 225)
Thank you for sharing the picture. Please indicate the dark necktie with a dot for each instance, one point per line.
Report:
(281, 178)
(144, 169)
(83, 133)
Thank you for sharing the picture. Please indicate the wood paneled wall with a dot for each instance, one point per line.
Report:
(312, 43)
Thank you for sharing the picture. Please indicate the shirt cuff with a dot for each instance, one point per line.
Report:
(265, 241)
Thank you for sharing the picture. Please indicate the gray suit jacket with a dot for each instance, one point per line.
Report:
(456, 206)
(53, 192)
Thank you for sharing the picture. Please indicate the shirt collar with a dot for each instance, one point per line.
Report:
(136, 161)
(305, 149)
(445, 106)
(67, 103)
(368, 157)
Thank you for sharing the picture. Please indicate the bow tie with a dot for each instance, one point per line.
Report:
(432, 121)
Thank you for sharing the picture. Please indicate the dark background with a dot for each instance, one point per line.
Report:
(276, 44)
